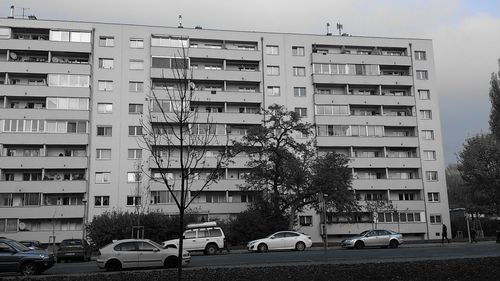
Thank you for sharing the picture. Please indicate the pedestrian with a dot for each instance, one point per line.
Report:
(473, 234)
(444, 234)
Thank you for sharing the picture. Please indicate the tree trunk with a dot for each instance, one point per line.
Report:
(181, 242)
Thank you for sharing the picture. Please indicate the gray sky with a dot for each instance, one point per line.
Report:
(466, 35)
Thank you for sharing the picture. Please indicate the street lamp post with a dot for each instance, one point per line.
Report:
(325, 233)
(84, 202)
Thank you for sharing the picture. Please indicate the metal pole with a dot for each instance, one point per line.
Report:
(468, 229)
(325, 238)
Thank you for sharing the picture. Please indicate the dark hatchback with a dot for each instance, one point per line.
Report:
(15, 257)
(74, 249)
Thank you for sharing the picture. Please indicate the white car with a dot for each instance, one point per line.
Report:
(130, 253)
(206, 237)
(283, 240)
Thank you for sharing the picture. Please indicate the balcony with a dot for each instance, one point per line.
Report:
(221, 185)
(201, 74)
(43, 91)
(385, 162)
(368, 141)
(362, 99)
(44, 186)
(229, 54)
(385, 184)
(360, 59)
(34, 212)
(362, 80)
(218, 96)
(43, 45)
(43, 162)
(45, 138)
(44, 67)
(408, 121)
(49, 114)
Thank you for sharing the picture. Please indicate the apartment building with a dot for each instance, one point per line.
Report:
(73, 96)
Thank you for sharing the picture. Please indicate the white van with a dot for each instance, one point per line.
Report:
(206, 237)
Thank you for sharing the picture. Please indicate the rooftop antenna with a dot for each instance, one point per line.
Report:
(328, 33)
(180, 22)
(340, 27)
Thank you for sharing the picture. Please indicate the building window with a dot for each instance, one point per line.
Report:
(135, 108)
(102, 177)
(133, 200)
(68, 103)
(104, 131)
(299, 71)
(301, 111)
(169, 41)
(69, 36)
(135, 130)
(134, 177)
(273, 70)
(422, 75)
(332, 109)
(104, 108)
(61, 127)
(305, 220)
(135, 86)
(298, 51)
(273, 91)
(428, 134)
(136, 43)
(429, 155)
(69, 80)
(424, 94)
(106, 41)
(435, 219)
(425, 114)
(103, 154)
(272, 50)
(134, 153)
(105, 85)
(106, 63)
(299, 91)
(433, 196)
(431, 175)
(406, 196)
(136, 64)
(101, 201)
(420, 55)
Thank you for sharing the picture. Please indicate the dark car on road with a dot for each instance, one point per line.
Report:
(74, 249)
(32, 244)
(15, 257)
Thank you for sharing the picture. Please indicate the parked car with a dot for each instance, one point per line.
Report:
(130, 253)
(32, 244)
(74, 249)
(283, 240)
(15, 257)
(206, 237)
(374, 238)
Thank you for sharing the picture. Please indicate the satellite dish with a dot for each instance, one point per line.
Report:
(13, 55)
(22, 226)
(55, 59)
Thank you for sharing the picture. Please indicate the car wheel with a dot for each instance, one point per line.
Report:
(262, 248)
(359, 245)
(29, 268)
(211, 249)
(300, 246)
(393, 244)
(113, 265)
(171, 262)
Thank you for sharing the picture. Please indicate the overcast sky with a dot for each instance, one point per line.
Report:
(466, 35)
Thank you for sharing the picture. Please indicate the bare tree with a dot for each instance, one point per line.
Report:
(378, 206)
(140, 193)
(178, 138)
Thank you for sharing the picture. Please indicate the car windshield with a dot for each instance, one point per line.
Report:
(71, 243)
(19, 246)
(155, 244)
(364, 233)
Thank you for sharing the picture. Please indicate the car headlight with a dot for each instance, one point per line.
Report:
(185, 255)
(251, 243)
(44, 257)
(348, 241)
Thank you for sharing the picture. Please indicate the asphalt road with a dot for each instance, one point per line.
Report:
(310, 256)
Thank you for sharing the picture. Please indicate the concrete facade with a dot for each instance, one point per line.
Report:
(374, 99)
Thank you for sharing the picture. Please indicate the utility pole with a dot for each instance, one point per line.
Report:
(325, 233)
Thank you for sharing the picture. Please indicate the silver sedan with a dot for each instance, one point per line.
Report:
(374, 238)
